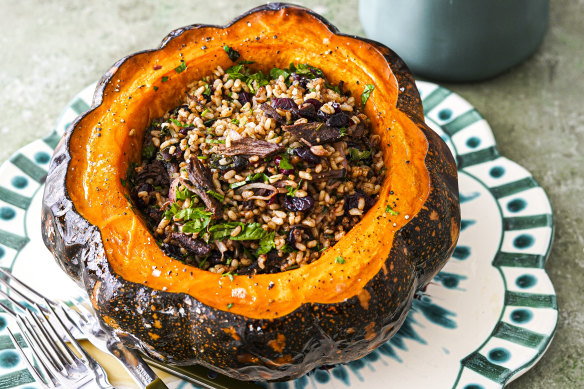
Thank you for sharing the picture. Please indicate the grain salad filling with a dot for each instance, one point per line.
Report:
(257, 173)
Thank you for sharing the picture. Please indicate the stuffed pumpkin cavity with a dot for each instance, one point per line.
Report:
(264, 326)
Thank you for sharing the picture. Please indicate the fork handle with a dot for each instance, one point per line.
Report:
(142, 374)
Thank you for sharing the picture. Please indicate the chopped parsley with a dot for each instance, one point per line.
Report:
(343, 131)
(123, 181)
(275, 73)
(164, 79)
(230, 275)
(340, 260)
(204, 112)
(177, 123)
(284, 163)
(391, 211)
(250, 178)
(249, 231)
(215, 141)
(207, 91)
(181, 67)
(231, 53)
(183, 194)
(291, 190)
(266, 243)
(217, 195)
(356, 155)
(229, 305)
(235, 121)
(366, 93)
(155, 88)
(244, 62)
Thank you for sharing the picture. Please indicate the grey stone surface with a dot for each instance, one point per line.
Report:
(52, 49)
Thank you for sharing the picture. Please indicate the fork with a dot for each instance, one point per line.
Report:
(81, 321)
(61, 367)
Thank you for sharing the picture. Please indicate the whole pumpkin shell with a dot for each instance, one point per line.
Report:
(269, 326)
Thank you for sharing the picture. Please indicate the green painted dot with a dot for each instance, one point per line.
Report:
(499, 355)
(473, 386)
(461, 253)
(497, 172)
(445, 114)
(321, 376)
(7, 213)
(9, 359)
(42, 157)
(526, 281)
(523, 241)
(516, 205)
(19, 182)
(473, 142)
(2, 323)
(521, 316)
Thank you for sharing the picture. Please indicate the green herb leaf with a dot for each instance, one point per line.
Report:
(235, 121)
(391, 211)
(123, 181)
(366, 93)
(287, 249)
(266, 243)
(356, 155)
(260, 78)
(244, 62)
(229, 305)
(202, 156)
(148, 152)
(333, 87)
(204, 112)
(235, 73)
(307, 71)
(155, 88)
(284, 162)
(215, 141)
(217, 195)
(202, 264)
(250, 178)
(228, 274)
(183, 194)
(181, 67)
(343, 131)
(164, 79)
(275, 73)
(231, 53)
(340, 260)
(250, 231)
(207, 91)
(179, 124)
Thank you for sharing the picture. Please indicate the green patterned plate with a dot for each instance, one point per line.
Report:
(483, 321)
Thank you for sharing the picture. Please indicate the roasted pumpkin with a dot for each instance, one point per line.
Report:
(268, 326)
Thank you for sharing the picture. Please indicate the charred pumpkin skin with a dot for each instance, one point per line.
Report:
(175, 327)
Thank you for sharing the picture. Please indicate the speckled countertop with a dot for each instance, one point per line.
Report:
(52, 49)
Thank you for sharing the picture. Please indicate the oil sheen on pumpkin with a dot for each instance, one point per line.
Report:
(96, 190)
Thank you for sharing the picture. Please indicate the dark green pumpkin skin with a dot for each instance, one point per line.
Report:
(176, 328)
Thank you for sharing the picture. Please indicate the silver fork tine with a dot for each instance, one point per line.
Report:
(36, 375)
(39, 353)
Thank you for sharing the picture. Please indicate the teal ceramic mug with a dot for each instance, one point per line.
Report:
(457, 40)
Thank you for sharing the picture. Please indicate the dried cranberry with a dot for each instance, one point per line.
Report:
(307, 112)
(338, 120)
(306, 155)
(317, 104)
(245, 97)
(352, 201)
(298, 233)
(298, 204)
(284, 103)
